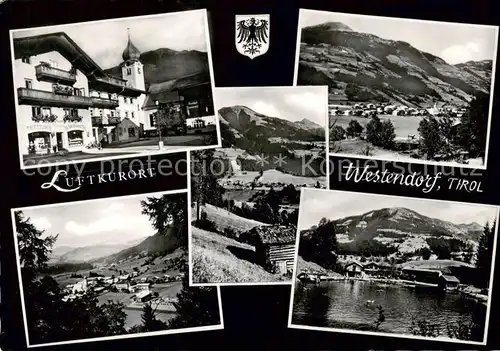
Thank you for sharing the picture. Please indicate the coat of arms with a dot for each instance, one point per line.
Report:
(252, 35)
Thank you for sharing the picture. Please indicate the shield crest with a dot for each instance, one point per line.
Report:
(252, 35)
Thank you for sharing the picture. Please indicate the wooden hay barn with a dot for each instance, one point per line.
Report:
(274, 247)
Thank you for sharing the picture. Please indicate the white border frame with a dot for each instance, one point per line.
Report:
(105, 338)
(409, 161)
(327, 170)
(394, 335)
(124, 154)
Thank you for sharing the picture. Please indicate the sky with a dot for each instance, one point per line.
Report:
(110, 221)
(290, 103)
(454, 43)
(104, 41)
(316, 204)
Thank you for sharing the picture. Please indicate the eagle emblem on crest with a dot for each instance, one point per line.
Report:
(252, 35)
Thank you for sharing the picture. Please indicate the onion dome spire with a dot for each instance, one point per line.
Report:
(131, 53)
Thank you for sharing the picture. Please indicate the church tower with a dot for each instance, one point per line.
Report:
(133, 73)
(132, 68)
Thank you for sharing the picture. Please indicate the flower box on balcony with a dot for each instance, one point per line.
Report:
(68, 118)
(44, 118)
(61, 89)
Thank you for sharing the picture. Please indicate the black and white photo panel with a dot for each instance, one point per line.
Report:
(401, 89)
(394, 266)
(145, 87)
(245, 195)
(109, 268)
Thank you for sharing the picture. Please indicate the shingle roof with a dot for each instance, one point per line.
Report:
(451, 278)
(272, 234)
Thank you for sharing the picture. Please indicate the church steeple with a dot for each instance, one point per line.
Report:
(131, 53)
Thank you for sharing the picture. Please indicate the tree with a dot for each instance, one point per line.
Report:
(380, 133)
(168, 211)
(320, 246)
(426, 253)
(205, 187)
(485, 255)
(49, 318)
(387, 135)
(354, 128)
(167, 117)
(149, 321)
(430, 137)
(474, 126)
(337, 133)
(196, 306)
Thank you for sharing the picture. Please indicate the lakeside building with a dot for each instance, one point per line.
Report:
(66, 101)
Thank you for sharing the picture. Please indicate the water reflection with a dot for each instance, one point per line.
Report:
(353, 305)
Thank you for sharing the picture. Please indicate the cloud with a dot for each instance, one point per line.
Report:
(116, 206)
(461, 53)
(107, 224)
(41, 223)
(316, 102)
(265, 109)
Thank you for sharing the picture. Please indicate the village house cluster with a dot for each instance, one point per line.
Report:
(128, 283)
(371, 109)
(67, 102)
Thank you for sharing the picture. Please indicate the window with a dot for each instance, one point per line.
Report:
(131, 132)
(129, 71)
(36, 111)
(26, 59)
(112, 113)
(46, 111)
(101, 112)
(139, 70)
(73, 112)
(75, 138)
(152, 120)
(132, 100)
(132, 114)
(28, 83)
(79, 91)
(126, 114)
(91, 112)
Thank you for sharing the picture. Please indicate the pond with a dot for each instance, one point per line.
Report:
(353, 305)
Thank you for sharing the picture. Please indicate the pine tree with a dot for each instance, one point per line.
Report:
(168, 211)
(485, 255)
(205, 187)
(196, 306)
(149, 321)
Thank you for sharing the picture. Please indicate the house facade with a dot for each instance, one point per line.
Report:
(191, 95)
(66, 101)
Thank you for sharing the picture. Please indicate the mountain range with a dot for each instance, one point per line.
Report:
(364, 67)
(166, 64)
(245, 123)
(403, 228)
(159, 243)
(68, 254)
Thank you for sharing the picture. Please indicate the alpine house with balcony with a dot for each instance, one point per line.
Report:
(66, 101)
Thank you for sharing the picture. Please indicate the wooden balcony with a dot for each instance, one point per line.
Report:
(54, 75)
(27, 96)
(105, 121)
(104, 103)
